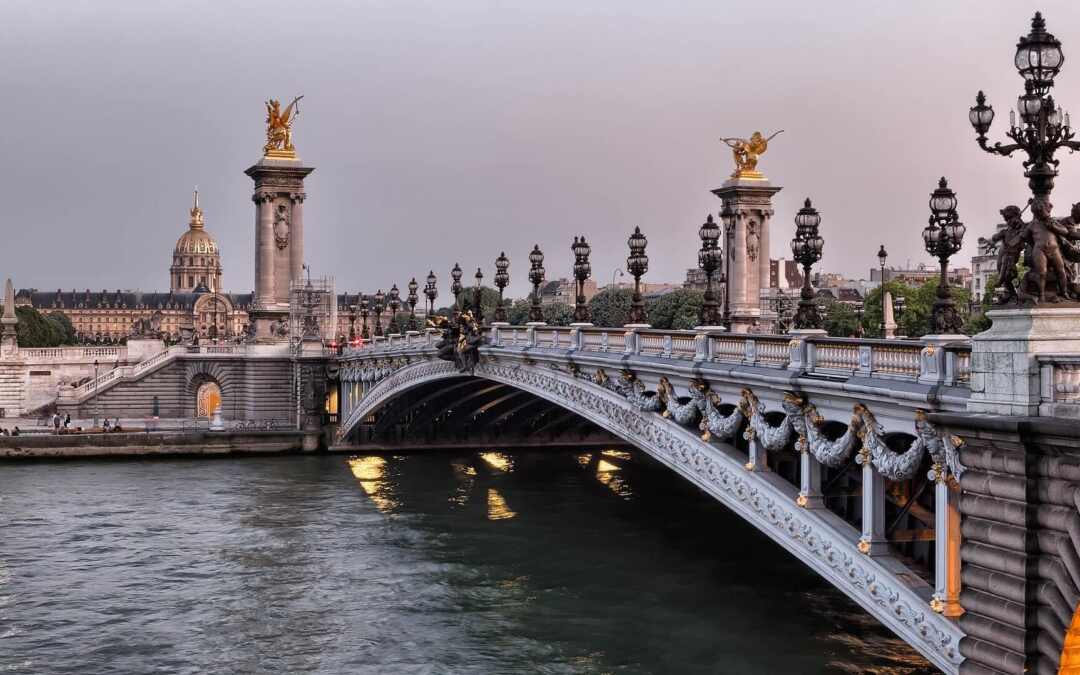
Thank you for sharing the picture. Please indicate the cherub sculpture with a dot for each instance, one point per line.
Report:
(1010, 245)
(746, 153)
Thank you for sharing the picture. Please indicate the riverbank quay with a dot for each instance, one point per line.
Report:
(178, 443)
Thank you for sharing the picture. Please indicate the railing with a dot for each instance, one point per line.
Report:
(833, 356)
(961, 364)
(773, 350)
(74, 353)
(1059, 380)
(912, 360)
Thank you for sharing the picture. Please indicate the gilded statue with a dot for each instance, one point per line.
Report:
(279, 128)
(746, 153)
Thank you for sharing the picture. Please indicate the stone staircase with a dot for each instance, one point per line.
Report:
(13, 376)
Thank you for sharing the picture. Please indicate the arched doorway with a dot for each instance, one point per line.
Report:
(207, 399)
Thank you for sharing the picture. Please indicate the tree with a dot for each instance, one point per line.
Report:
(489, 297)
(677, 310)
(840, 319)
(558, 314)
(611, 307)
(63, 326)
(518, 312)
(918, 307)
(37, 330)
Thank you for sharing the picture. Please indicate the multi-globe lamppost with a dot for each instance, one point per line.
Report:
(1044, 128)
(413, 299)
(806, 248)
(943, 236)
(365, 334)
(582, 270)
(380, 307)
(502, 279)
(477, 308)
(431, 292)
(536, 277)
(455, 287)
(637, 263)
(394, 301)
(882, 255)
(709, 257)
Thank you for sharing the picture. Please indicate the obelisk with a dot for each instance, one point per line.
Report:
(279, 223)
(9, 338)
(747, 196)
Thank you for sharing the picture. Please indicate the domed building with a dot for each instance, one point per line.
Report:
(196, 259)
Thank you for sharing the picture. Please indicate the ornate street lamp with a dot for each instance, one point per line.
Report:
(431, 292)
(502, 278)
(882, 254)
(1044, 128)
(709, 258)
(477, 309)
(364, 305)
(456, 287)
(536, 277)
(943, 236)
(806, 249)
(637, 263)
(858, 319)
(582, 270)
(394, 300)
(413, 299)
(380, 307)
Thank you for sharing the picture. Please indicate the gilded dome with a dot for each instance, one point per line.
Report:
(196, 239)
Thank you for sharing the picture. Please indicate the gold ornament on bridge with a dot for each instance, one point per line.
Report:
(279, 129)
(746, 153)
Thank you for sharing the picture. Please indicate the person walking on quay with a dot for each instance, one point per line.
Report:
(56, 422)
(67, 421)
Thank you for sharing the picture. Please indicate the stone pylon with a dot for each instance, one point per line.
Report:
(746, 248)
(279, 241)
(9, 341)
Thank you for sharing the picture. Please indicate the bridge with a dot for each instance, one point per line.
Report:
(823, 444)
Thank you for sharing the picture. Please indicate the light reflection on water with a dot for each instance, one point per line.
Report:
(538, 562)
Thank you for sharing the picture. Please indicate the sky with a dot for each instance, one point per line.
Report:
(452, 130)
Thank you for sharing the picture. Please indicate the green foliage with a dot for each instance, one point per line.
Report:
(840, 319)
(610, 308)
(677, 310)
(489, 298)
(558, 314)
(518, 311)
(39, 330)
(63, 326)
(918, 307)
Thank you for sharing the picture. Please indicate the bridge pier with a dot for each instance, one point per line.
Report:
(810, 496)
(872, 540)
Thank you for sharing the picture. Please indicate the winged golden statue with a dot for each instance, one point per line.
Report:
(279, 129)
(746, 153)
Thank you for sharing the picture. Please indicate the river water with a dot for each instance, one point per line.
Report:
(473, 562)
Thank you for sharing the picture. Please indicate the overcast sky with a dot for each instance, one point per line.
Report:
(451, 130)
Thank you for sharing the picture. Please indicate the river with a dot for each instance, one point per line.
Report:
(554, 562)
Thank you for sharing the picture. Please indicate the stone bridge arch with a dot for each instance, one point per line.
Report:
(821, 539)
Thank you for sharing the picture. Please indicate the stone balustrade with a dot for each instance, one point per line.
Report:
(913, 360)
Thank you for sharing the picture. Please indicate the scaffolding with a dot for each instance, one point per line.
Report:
(312, 310)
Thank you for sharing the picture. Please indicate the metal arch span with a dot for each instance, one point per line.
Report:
(818, 537)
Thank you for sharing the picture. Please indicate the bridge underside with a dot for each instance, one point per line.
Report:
(428, 404)
(473, 412)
